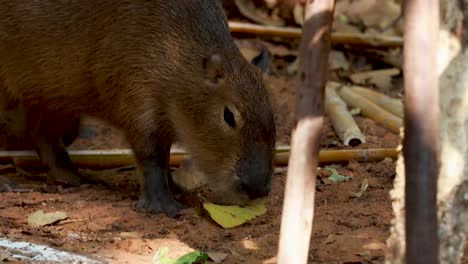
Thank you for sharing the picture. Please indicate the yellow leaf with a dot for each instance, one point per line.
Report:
(229, 216)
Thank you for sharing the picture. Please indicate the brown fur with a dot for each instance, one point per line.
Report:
(159, 70)
(15, 128)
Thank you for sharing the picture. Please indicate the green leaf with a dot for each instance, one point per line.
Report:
(192, 258)
(195, 257)
(338, 178)
(331, 169)
(229, 216)
(343, 18)
(335, 176)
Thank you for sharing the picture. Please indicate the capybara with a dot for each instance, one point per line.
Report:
(161, 71)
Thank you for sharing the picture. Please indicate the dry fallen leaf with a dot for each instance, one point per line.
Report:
(298, 14)
(39, 218)
(127, 235)
(341, 24)
(341, 7)
(293, 67)
(337, 60)
(341, 21)
(382, 79)
(392, 57)
(247, 8)
(270, 3)
(374, 13)
(363, 188)
(279, 50)
(217, 257)
(330, 239)
(249, 53)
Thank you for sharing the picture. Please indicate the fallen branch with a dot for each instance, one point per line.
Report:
(336, 37)
(343, 123)
(371, 110)
(108, 159)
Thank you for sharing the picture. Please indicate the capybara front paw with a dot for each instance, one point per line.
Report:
(168, 206)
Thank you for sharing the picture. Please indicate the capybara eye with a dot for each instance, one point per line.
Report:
(229, 117)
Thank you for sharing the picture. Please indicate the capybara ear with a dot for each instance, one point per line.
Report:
(262, 60)
(214, 69)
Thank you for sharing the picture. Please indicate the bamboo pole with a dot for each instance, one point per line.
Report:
(394, 106)
(371, 110)
(343, 123)
(106, 159)
(336, 37)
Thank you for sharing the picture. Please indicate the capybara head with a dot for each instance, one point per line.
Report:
(229, 128)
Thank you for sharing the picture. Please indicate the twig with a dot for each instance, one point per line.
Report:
(64, 222)
(336, 37)
(298, 206)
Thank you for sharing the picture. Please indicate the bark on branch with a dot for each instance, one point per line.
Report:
(420, 145)
(298, 207)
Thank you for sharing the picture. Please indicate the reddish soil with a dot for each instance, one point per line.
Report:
(109, 228)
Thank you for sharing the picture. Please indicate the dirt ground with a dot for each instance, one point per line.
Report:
(346, 230)
(106, 226)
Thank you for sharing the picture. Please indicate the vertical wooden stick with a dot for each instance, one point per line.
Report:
(298, 207)
(421, 143)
